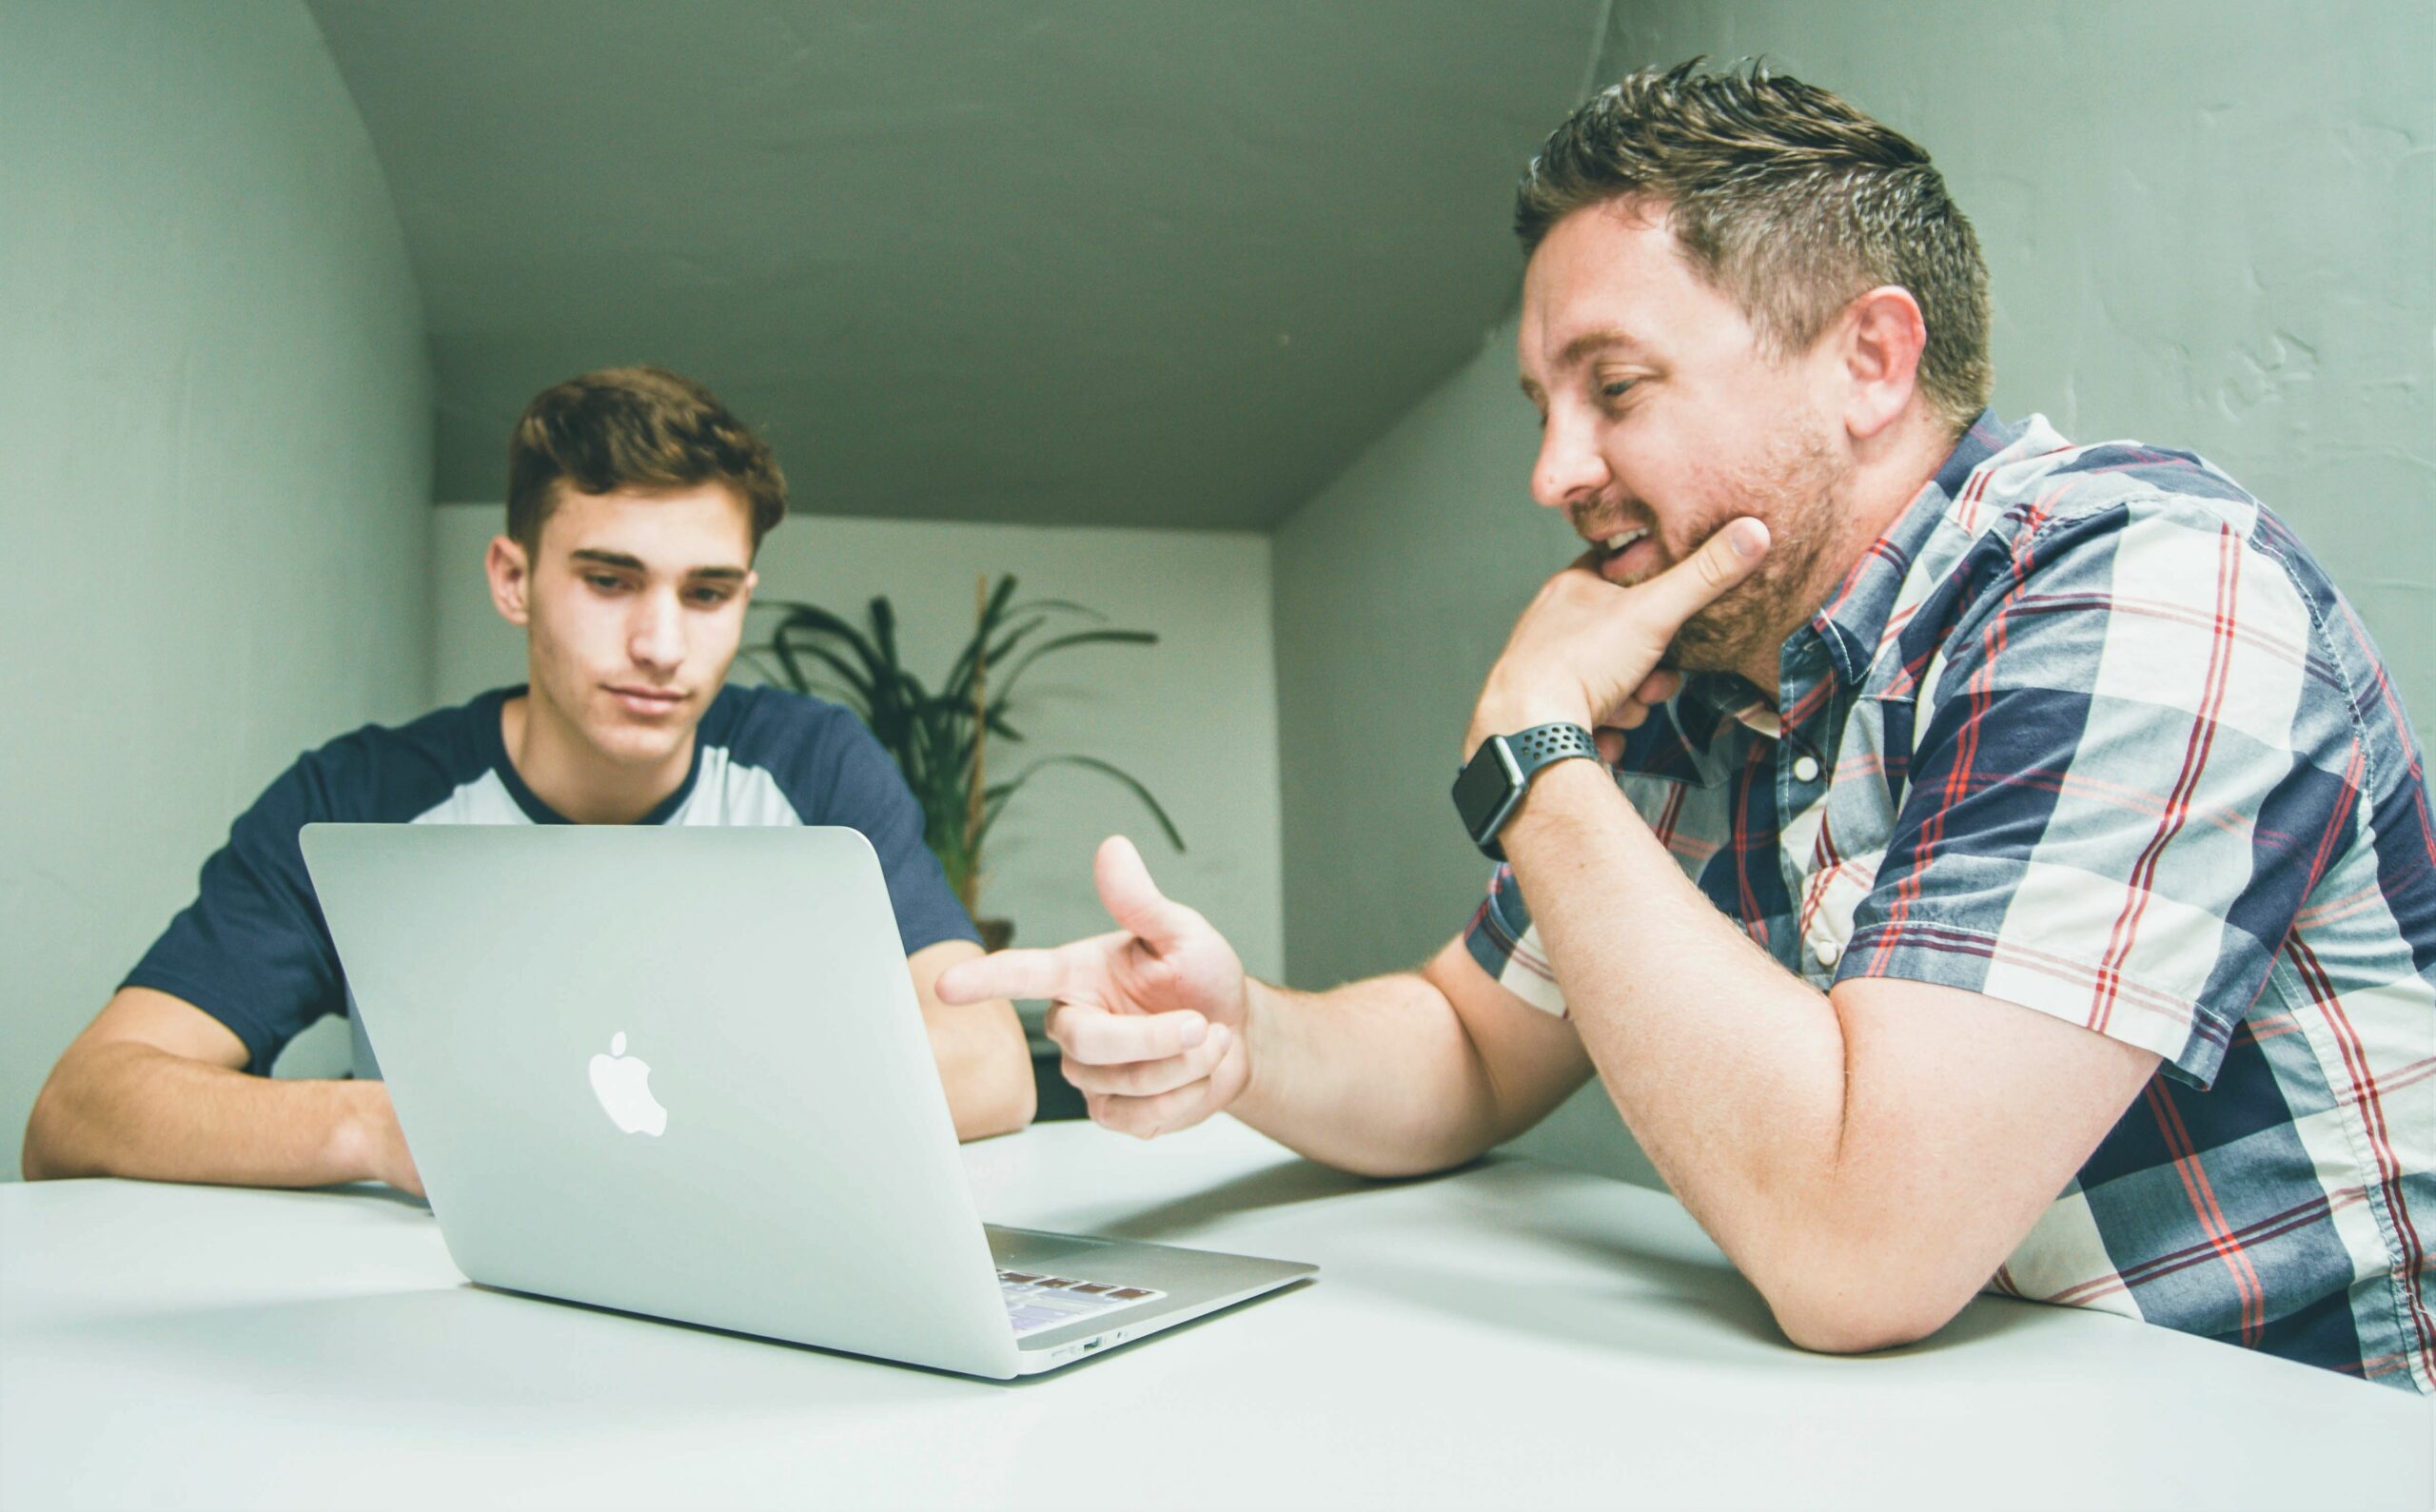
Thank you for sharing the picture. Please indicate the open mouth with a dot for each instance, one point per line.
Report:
(1628, 556)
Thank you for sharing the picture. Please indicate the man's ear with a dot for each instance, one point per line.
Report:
(511, 574)
(1883, 338)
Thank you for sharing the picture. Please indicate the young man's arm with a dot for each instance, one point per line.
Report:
(154, 1088)
(984, 1060)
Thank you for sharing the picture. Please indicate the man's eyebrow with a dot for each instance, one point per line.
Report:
(1583, 347)
(624, 562)
(1589, 341)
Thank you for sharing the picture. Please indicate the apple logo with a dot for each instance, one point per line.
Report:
(622, 1083)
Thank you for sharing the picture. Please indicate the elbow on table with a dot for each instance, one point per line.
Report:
(1832, 1317)
(1022, 1103)
(30, 1164)
(42, 1157)
(1006, 1105)
(1015, 1096)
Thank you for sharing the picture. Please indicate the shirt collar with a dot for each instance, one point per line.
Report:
(1855, 618)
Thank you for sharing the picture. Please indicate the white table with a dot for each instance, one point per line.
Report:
(1510, 1335)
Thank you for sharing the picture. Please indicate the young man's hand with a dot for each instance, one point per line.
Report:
(1151, 1018)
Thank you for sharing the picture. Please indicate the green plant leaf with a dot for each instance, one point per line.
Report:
(1075, 637)
(858, 683)
(932, 736)
(999, 793)
(1068, 605)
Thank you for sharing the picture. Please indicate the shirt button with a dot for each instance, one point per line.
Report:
(1827, 953)
(1805, 769)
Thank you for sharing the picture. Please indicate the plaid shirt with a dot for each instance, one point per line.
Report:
(2089, 730)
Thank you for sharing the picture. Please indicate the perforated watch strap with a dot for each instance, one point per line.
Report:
(1543, 743)
(1533, 749)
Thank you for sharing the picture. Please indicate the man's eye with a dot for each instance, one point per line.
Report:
(604, 582)
(712, 598)
(1615, 389)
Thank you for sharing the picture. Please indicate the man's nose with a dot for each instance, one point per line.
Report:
(1569, 470)
(657, 636)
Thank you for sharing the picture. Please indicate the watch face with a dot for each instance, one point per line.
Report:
(1482, 786)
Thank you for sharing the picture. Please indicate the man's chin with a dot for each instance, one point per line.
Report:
(626, 743)
(1705, 641)
(1720, 641)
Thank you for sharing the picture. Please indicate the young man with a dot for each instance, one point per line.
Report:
(1970, 817)
(636, 503)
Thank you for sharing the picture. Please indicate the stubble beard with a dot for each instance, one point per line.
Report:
(1792, 487)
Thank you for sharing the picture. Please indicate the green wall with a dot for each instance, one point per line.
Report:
(216, 406)
(2207, 225)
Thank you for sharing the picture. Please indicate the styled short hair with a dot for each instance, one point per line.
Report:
(635, 429)
(1784, 198)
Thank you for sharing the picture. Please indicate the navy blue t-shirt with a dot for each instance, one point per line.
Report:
(253, 951)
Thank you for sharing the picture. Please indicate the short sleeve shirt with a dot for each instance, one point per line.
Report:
(2091, 732)
(252, 949)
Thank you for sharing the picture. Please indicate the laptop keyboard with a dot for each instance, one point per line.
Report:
(1034, 1301)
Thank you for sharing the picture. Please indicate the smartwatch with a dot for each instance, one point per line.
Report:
(1492, 783)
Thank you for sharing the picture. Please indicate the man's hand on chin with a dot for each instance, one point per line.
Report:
(1587, 652)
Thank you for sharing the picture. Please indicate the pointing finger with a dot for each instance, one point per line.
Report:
(1063, 973)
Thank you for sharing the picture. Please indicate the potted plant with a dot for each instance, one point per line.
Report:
(940, 739)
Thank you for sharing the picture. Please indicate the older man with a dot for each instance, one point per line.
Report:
(1920, 816)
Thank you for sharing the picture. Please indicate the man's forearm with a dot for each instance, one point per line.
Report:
(125, 1109)
(1729, 1069)
(1378, 1077)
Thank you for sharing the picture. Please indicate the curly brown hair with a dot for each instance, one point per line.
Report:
(641, 429)
(1786, 198)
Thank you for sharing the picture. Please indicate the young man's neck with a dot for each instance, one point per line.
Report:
(564, 770)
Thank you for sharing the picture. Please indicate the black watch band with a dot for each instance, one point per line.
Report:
(1492, 783)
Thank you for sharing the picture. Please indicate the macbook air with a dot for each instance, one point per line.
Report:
(681, 1071)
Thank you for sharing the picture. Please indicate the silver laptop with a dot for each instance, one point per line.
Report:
(681, 1071)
